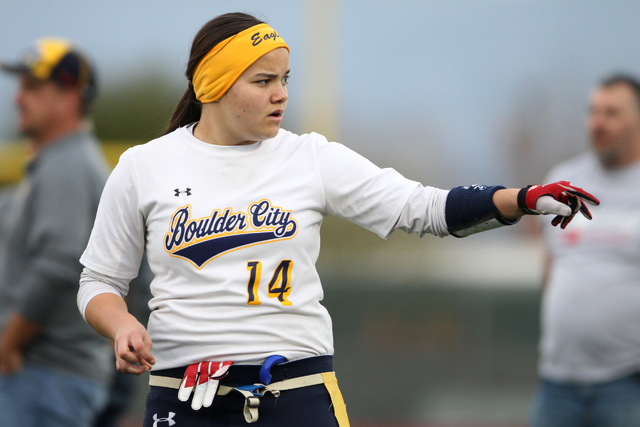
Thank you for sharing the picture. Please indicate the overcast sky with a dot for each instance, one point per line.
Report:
(436, 82)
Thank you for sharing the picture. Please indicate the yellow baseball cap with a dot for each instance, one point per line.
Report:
(58, 60)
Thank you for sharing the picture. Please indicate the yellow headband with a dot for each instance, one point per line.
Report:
(225, 63)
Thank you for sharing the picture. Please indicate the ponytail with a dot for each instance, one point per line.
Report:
(187, 111)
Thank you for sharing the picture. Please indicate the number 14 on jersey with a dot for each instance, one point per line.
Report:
(278, 285)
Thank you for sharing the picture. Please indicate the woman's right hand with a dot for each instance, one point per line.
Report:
(132, 347)
(107, 313)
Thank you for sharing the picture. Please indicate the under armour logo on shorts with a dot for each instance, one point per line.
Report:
(169, 419)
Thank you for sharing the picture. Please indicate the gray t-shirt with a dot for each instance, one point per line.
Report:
(44, 228)
(591, 306)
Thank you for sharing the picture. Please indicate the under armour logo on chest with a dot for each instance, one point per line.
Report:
(169, 419)
(178, 192)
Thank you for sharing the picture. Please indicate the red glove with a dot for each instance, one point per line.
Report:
(203, 379)
(559, 198)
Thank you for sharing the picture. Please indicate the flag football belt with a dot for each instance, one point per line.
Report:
(252, 393)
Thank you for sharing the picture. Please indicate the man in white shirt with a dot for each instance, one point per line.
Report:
(590, 318)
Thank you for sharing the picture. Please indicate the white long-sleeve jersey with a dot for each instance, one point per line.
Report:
(232, 234)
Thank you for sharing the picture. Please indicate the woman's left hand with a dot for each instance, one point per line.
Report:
(558, 198)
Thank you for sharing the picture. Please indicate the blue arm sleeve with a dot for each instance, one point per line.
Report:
(470, 210)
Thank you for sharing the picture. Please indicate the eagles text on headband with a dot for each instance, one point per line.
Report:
(225, 63)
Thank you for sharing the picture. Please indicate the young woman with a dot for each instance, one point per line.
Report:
(228, 208)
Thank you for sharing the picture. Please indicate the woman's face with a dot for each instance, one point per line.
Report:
(253, 108)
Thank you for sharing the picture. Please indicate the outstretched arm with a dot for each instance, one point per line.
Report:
(479, 208)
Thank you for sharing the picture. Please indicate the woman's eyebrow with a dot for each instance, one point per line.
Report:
(270, 75)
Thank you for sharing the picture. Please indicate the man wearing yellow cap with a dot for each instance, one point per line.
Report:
(53, 368)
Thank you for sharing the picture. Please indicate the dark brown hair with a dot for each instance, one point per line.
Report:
(626, 79)
(213, 32)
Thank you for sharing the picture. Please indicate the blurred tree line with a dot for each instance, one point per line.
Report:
(137, 109)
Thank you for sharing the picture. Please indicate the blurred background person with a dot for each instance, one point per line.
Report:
(54, 370)
(590, 342)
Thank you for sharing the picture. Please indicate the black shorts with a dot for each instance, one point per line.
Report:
(309, 406)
